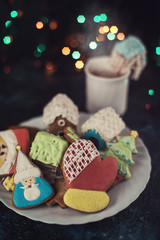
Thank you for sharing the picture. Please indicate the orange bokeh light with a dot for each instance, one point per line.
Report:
(120, 36)
(53, 25)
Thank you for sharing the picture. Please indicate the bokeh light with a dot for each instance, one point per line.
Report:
(14, 14)
(93, 45)
(105, 29)
(39, 25)
(7, 39)
(81, 19)
(37, 54)
(41, 48)
(20, 13)
(76, 54)
(147, 106)
(7, 69)
(8, 24)
(97, 18)
(114, 29)
(73, 43)
(50, 67)
(44, 20)
(158, 50)
(101, 30)
(53, 25)
(100, 38)
(79, 64)
(66, 51)
(110, 36)
(120, 36)
(103, 17)
(151, 92)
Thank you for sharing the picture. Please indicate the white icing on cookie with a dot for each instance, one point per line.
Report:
(77, 157)
(106, 122)
(60, 105)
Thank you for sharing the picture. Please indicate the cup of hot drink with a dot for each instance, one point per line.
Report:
(104, 86)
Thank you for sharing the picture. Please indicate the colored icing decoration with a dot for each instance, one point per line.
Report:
(128, 141)
(30, 188)
(75, 161)
(122, 151)
(95, 138)
(48, 148)
(70, 134)
(60, 105)
(8, 183)
(106, 122)
(123, 166)
(8, 142)
(129, 55)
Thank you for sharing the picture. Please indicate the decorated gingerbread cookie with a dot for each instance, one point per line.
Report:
(87, 176)
(70, 134)
(122, 150)
(31, 189)
(60, 113)
(102, 127)
(8, 183)
(8, 142)
(48, 148)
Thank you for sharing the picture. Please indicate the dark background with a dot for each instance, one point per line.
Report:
(26, 86)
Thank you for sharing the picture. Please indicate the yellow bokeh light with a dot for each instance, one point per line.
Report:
(79, 64)
(39, 25)
(120, 36)
(113, 29)
(66, 51)
(105, 29)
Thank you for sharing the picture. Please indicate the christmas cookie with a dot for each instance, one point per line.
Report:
(102, 127)
(87, 176)
(8, 142)
(7, 183)
(122, 150)
(70, 134)
(129, 54)
(60, 187)
(31, 189)
(59, 113)
(48, 148)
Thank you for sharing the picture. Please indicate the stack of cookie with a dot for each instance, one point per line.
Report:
(58, 166)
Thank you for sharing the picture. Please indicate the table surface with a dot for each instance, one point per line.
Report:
(24, 93)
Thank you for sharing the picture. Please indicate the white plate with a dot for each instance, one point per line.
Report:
(121, 196)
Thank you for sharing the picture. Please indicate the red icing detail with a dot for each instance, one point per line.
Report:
(23, 140)
(29, 186)
(98, 175)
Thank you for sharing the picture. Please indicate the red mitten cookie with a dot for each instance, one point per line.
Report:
(88, 177)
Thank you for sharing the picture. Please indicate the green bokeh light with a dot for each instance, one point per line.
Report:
(111, 36)
(76, 54)
(81, 19)
(37, 54)
(45, 20)
(158, 50)
(8, 24)
(151, 92)
(103, 17)
(7, 40)
(14, 14)
(93, 45)
(97, 18)
(41, 48)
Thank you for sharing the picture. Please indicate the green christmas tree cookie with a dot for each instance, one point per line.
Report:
(122, 151)
(48, 148)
